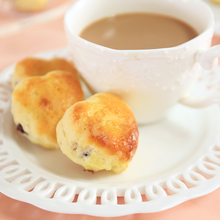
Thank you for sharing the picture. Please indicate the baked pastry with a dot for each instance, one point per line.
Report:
(39, 67)
(215, 1)
(99, 133)
(38, 103)
(30, 5)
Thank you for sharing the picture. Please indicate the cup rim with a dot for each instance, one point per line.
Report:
(208, 30)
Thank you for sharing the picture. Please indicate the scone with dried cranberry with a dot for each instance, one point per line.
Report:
(38, 67)
(38, 103)
(99, 133)
(30, 5)
(215, 1)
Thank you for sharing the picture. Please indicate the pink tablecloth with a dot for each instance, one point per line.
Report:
(51, 36)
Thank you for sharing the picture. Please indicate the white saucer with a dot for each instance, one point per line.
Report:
(177, 159)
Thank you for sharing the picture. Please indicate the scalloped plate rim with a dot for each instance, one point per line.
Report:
(103, 210)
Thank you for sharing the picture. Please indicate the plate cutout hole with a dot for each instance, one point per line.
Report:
(75, 198)
(86, 196)
(144, 198)
(210, 161)
(12, 162)
(34, 184)
(217, 155)
(98, 200)
(120, 200)
(154, 189)
(25, 180)
(52, 195)
(12, 170)
(3, 159)
(15, 175)
(167, 192)
(56, 187)
(109, 196)
(177, 186)
(187, 185)
(207, 176)
(208, 166)
(45, 186)
(216, 148)
(193, 177)
(64, 193)
(132, 194)
(3, 153)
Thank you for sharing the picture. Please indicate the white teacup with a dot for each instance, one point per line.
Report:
(149, 81)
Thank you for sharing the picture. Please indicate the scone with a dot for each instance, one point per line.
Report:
(99, 133)
(38, 103)
(30, 5)
(215, 1)
(39, 67)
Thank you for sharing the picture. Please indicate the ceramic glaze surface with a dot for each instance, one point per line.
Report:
(150, 81)
(177, 160)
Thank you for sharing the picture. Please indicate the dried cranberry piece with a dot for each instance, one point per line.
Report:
(86, 154)
(20, 128)
(91, 171)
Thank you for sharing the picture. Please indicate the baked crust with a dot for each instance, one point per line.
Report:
(38, 67)
(30, 5)
(104, 128)
(38, 103)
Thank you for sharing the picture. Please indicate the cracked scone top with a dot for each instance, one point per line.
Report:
(99, 133)
(38, 103)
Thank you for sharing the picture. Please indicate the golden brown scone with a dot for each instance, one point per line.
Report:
(38, 103)
(99, 133)
(215, 1)
(30, 5)
(39, 67)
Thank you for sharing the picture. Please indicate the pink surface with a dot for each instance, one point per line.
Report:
(10, 15)
(51, 36)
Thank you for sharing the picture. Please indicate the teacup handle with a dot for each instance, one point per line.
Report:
(207, 60)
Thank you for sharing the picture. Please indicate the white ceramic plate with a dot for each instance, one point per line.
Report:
(177, 159)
